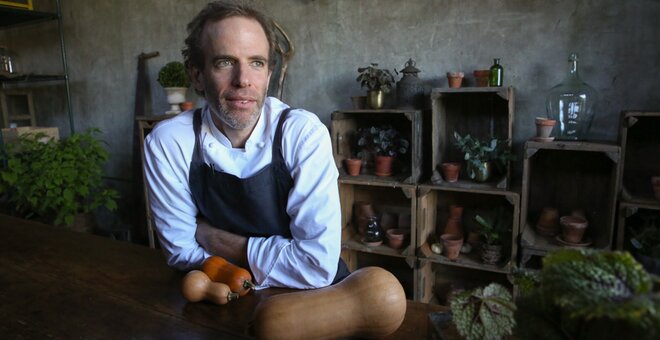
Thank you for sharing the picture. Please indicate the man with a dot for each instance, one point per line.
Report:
(259, 176)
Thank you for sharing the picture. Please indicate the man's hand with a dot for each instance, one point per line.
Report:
(222, 243)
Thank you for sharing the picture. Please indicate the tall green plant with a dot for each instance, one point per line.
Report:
(55, 180)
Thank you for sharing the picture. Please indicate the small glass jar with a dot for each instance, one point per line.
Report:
(374, 234)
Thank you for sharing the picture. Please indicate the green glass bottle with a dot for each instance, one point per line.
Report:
(496, 76)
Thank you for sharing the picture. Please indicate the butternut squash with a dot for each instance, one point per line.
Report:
(238, 279)
(369, 303)
(197, 286)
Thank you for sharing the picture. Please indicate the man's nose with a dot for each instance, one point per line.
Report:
(241, 77)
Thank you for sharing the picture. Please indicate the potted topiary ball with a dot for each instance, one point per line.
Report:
(174, 79)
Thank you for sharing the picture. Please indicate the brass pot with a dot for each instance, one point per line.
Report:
(481, 173)
(376, 99)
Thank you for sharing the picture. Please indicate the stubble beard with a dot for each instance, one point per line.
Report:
(237, 120)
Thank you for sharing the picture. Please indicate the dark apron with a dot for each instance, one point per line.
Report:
(251, 207)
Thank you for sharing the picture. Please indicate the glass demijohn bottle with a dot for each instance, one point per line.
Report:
(496, 76)
(373, 230)
(571, 104)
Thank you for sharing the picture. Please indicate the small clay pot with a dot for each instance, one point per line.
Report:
(185, 106)
(573, 228)
(450, 171)
(353, 166)
(473, 238)
(655, 182)
(548, 222)
(455, 211)
(481, 77)
(451, 246)
(383, 166)
(455, 79)
(453, 227)
(544, 127)
(359, 102)
(396, 237)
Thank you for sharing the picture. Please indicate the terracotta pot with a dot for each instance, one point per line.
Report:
(491, 254)
(451, 246)
(359, 102)
(655, 182)
(453, 227)
(362, 212)
(473, 238)
(573, 228)
(455, 211)
(548, 222)
(185, 106)
(396, 237)
(383, 165)
(544, 127)
(481, 77)
(455, 79)
(450, 171)
(353, 166)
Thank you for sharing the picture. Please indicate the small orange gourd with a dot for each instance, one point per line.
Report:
(238, 279)
(369, 303)
(197, 286)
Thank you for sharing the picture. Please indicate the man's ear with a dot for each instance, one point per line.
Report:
(196, 78)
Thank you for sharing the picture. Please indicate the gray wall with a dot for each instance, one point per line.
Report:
(617, 42)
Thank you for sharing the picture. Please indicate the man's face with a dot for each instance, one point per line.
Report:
(236, 74)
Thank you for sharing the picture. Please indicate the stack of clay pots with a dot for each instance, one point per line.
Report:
(452, 235)
(548, 222)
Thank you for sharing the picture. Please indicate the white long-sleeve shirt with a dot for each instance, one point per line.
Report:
(309, 258)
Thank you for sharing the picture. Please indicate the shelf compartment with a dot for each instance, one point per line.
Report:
(399, 267)
(569, 176)
(432, 211)
(344, 125)
(483, 113)
(12, 17)
(639, 138)
(398, 201)
(436, 282)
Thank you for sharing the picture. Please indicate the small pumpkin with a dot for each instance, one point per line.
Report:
(238, 279)
(369, 303)
(197, 286)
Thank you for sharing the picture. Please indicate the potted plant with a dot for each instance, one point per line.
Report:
(53, 181)
(495, 229)
(174, 79)
(385, 142)
(483, 158)
(484, 313)
(377, 81)
(587, 294)
(643, 234)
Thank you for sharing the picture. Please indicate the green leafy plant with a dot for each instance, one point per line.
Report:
(588, 294)
(494, 226)
(484, 313)
(384, 140)
(173, 74)
(477, 153)
(374, 78)
(55, 180)
(644, 234)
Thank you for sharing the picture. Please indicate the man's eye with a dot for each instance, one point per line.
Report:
(258, 63)
(223, 63)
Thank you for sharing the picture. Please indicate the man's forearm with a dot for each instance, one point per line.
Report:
(222, 243)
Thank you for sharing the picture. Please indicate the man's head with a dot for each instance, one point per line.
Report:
(229, 55)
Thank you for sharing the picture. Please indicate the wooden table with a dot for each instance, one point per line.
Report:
(56, 283)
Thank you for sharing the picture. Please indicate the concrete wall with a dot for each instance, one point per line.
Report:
(617, 42)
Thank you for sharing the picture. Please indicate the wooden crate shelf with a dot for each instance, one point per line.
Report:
(345, 123)
(432, 211)
(639, 137)
(569, 176)
(482, 112)
(435, 282)
(396, 200)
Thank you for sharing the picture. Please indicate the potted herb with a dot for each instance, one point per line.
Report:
(495, 230)
(587, 294)
(484, 313)
(174, 79)
(377, 81)
(482, 157)
(385, 142)
(53, 181)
